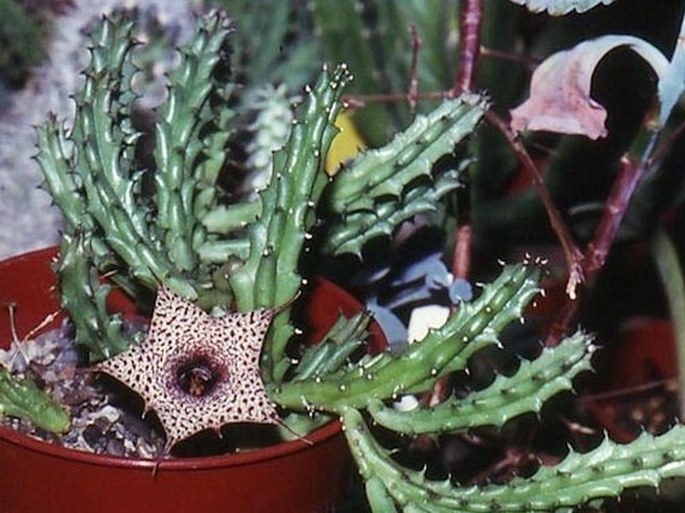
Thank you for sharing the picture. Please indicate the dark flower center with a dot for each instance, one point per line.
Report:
(197, 376)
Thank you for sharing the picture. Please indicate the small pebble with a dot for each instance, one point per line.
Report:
(98, 424)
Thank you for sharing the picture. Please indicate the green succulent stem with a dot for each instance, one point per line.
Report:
(270, 275)
(227, 219)
(671, 273)
(103, 137)
(505, 398)
(143, 238)
(84, 296)
(579, 478)
(172, 224)
(286, 214)
(182, 116)
(410, 155)
(383, 187)
(336, 347)
(416, 368)
(55, 157)
(20, 397)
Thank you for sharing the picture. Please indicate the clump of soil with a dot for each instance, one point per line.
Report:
(103, 421)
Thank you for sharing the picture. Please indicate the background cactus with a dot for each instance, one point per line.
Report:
(21, 38)
(270, 129)
(173, 225)
(49, 86)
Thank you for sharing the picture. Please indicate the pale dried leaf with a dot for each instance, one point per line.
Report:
(561, 7)
(672, 85)
(560, 99)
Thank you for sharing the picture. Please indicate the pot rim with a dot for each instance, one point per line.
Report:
(279, 450)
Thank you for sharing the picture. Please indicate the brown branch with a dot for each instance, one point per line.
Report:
(469, 49)
(413, 92)
(461, 257)
(528, 62)
(469, 46)
(574, 257)
(614, 211)
(562, 326)
(360, 100)
(669, 384)
(598, 248)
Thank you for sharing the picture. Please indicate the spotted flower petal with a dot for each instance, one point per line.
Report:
(195, 370)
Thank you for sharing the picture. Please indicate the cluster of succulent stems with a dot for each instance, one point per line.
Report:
(174, 226)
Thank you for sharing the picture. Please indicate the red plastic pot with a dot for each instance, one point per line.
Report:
(291, 477)
(643, 356)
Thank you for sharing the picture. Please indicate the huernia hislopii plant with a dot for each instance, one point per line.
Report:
(226, 274)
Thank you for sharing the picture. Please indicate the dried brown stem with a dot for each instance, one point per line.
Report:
(461, 258)
(469, 46)
(562, 326)
(469, 50)
(614, 211)
(574, 257)
(413, 91)
(670, 383)
(529, 62)
(360, 100)
(597, 250)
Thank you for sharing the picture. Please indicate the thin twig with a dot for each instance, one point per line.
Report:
(16, 342)
(413, 91)
(615, 208)
(12, 311)
(42, 324)
(670, 383)
(470, 23)
(525, 60)
(562, 326)
(469, 47)
(360, 100)
(461, 258)
(622, 190)
(574, 257)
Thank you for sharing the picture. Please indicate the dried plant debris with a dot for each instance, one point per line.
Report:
(102, 420)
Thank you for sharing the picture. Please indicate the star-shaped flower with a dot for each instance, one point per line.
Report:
(195, 370)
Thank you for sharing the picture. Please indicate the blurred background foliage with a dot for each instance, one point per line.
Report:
(279, 46)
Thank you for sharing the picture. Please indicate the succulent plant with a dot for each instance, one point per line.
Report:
(172, 231)
(21, 397)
